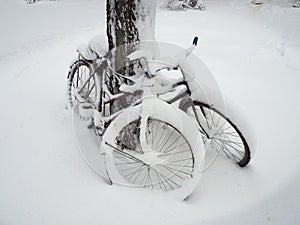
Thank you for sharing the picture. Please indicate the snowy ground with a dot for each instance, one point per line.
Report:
(253, 53)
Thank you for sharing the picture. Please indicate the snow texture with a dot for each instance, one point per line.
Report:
(99, 44)
(184, 4)
(146, 19)
(85, 51)
(43, 178)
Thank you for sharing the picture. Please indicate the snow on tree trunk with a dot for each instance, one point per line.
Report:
(128, 22)
(184, 4)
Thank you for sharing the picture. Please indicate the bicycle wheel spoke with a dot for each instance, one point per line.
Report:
(149, 173)
(128, 163)
(167, 179)
(219, 119)
(129, 176)
(167, 140)
(236, 150)
(224, 129)
(180, 160)
(138, 174)
(224, 135)
(222, 149)
(147, 179)
(144, 179)
(81, 85)
(209, 117)
(176, 139)
(233, 134)
(238, 144)
(125, 154)
(219, 128)
(152, 125)
(177, 171)
(90, 90)
(175, 147)
(162, 155)
(132, 158)
(179, 165)
(129, 168)
(156, 133)
(161, 136)
(159, 180)
(225, 149)
(231, 153)
(164, 174)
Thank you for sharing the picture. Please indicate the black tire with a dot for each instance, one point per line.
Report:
(80, 71)
(223, 133)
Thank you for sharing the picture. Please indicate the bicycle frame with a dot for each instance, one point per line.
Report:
(100, 102)
(105, 98)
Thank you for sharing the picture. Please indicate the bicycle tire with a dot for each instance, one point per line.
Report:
(177, 170)
(73, 82)
(232, 142)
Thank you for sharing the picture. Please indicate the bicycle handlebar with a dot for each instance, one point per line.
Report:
(195, 41)
(185, 53)
(189, 50)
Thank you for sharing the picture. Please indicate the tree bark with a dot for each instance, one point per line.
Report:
(128, 22)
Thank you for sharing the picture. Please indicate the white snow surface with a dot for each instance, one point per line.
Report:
(252, 51)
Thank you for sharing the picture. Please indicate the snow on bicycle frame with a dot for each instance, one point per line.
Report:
(178, 181)
(163, 60)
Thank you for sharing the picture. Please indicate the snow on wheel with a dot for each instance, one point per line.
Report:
(81, 88)
(223, 134)
(172, 159)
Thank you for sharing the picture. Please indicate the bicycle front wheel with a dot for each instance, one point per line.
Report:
(171, 162)
(223, 134)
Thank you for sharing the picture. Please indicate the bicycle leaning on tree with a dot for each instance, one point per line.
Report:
(145, 145)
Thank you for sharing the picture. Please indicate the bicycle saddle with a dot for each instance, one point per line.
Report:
(98, 44)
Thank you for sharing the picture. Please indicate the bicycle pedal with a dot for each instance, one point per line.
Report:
(99, 131)
(85, 110)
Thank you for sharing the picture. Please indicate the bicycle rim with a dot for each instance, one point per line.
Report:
(223, 133)
(164, 166)
(81, 85)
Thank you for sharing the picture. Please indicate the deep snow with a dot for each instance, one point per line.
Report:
(253, 52)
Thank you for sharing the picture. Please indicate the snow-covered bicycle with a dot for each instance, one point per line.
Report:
(153, 143)
(145, 143)
(150, 143)
(218, 130)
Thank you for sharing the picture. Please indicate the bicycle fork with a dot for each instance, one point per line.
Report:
(203, 131)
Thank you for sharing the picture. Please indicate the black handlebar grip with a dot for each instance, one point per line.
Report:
(195, 41)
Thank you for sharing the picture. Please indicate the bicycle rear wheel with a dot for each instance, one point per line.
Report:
(223, 133)
(81, 85)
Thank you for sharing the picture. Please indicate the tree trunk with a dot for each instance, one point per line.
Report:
(128, 22)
